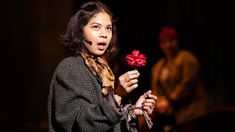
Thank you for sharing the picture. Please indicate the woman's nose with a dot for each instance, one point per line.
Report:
(103, 33)
(103, 36)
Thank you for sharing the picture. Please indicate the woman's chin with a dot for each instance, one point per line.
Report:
(99, 53)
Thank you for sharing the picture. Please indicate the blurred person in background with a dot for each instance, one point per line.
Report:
(175, 79)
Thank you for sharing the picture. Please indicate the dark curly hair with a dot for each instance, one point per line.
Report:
(72, 40)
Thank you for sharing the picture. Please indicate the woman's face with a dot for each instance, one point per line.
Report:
(98, 34)
(169, 46)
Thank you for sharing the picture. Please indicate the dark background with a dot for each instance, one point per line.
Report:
(30, 50)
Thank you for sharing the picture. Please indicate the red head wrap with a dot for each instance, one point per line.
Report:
(167, 32)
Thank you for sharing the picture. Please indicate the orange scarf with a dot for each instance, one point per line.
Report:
(99, 67)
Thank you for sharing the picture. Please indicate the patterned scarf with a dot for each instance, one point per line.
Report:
(99, 67)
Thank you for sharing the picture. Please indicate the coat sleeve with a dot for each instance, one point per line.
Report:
(75, 103)
(155, 73)
(190, 71)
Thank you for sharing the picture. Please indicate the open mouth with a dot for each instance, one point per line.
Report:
(101, 46)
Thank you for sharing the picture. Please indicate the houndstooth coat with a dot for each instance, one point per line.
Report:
(76, 103)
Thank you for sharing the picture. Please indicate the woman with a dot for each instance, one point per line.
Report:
(175, 80)
(82, 96)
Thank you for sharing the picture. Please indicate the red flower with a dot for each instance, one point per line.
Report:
(136, 59)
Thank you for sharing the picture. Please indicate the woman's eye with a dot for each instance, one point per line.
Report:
(95, 27)
(109, 28)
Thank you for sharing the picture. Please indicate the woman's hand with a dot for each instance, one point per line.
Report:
(147, 102)
(127, 82)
